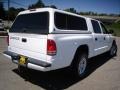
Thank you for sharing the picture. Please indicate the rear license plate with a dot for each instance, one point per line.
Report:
(23, 60)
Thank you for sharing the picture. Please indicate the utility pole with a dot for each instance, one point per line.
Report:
(8, 11)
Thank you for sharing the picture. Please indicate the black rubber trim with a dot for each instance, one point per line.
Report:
(15, 57)
(70, 33)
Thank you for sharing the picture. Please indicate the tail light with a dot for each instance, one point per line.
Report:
(7, 39)
(51, 47)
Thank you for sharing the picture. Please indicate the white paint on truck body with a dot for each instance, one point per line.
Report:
(67, 42)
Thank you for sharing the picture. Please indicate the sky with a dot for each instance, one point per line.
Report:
(99, 6)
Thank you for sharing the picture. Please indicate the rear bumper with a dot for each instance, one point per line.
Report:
(31, 63)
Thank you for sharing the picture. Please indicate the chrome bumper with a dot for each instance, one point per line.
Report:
(15, 58)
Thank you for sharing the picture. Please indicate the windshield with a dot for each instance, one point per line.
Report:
(36, 23)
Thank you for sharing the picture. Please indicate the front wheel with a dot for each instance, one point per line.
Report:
(113, 50)
(81, 65)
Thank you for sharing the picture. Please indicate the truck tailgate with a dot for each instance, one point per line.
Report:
(28, 42)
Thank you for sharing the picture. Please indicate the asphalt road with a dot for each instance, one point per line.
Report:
(103, 74)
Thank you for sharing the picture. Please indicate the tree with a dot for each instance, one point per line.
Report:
(103, 14)
(70, 10)
(53, 6)
(2, 11)
(38, 4)
(13, 12)
(19, 10)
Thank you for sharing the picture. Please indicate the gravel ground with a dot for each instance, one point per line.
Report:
(103, 74)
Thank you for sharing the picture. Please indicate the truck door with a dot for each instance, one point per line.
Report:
(106, 37)
(97, 37)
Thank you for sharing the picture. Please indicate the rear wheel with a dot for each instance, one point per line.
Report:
(81, 65)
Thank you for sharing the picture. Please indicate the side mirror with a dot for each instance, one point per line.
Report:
(111, 31)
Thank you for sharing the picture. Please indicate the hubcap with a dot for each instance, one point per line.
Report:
(82, 65)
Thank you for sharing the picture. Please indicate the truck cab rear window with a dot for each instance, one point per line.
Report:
(69, 22)
(96, 26)
(36, 23)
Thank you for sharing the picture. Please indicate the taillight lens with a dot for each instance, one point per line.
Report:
(7, 39)
(51, 47)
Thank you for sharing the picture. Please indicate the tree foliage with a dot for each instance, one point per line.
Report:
(13, 12)
(53, 6)
(38, 4)
(2, 11)
(72, 10)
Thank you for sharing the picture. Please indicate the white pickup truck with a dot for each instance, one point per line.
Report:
(47, 39)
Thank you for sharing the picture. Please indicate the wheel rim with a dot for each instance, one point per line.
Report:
(82, 66)
(113, 50)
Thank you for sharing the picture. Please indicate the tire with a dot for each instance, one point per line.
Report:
(80, 65)
(113, 50)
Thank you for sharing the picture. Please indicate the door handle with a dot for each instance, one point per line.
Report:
(104, 38)
(96, 39)
(24, 40)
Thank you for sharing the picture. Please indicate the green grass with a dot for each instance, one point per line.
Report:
(115, 27)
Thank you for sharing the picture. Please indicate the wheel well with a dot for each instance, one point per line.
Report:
(80, 49)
